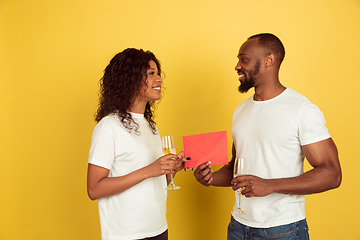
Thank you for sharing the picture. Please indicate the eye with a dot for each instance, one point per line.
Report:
(151, 73)
(244, 59)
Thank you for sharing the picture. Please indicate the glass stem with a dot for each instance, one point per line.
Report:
(172, 181)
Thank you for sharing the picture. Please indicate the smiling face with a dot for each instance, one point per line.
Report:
(249, 64)
(151, 89)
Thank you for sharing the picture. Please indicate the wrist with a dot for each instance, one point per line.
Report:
(145, 173)
(273, 185)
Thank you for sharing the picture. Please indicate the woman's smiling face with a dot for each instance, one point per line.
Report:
(151, 90)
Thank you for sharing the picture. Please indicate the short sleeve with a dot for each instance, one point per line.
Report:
(102, 149)
(311, 124)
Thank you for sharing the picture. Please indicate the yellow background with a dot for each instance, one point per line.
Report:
(52, 54)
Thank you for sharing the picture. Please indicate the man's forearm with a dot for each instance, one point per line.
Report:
(223, 177)
(317, 180)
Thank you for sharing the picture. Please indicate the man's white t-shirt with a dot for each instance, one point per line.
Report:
(268, 135)
(140, 211)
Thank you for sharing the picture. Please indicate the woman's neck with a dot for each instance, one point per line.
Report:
(138, 107)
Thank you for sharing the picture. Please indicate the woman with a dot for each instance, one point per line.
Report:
(127, 172)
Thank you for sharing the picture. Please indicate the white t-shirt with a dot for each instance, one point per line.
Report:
(140, 211)
(269, 135)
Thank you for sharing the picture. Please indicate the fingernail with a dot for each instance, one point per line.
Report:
(188, 158)
(209, 162)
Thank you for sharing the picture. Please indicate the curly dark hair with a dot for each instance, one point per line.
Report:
(121, 84)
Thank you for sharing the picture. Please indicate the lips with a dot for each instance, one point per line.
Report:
(157, 88)
(242, 76)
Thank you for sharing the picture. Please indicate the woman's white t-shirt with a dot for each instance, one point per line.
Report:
(140, 211)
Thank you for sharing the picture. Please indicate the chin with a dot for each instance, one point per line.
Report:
(244, 89)
(156, 99)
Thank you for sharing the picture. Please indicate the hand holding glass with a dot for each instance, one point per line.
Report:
(238, 170)
(168, 146)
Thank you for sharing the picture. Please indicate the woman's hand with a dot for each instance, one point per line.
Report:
(163, 165)
(177, 166)
(180, 161)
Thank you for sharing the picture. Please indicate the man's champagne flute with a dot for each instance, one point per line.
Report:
(238, 170)
(168, 146)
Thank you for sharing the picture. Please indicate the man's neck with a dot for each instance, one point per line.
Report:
(268, 92)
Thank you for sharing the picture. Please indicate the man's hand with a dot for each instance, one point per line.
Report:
(252, 186)
(203, 174)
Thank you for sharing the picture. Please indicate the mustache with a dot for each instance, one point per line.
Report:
(239, 71)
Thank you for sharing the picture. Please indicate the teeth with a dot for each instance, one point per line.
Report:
(157, 88)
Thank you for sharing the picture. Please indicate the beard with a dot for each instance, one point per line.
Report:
(250, 78)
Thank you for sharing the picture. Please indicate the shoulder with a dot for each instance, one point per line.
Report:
(109, 119)
(293, 95)
(305, 102)
(245, 103)
(296, 99)
(108, 123)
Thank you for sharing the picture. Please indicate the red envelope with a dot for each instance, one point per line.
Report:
(206, 147)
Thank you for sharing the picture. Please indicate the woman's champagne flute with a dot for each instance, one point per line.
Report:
(168, 146)
(238, 170)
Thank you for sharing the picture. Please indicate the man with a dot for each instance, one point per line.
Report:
(273, 131)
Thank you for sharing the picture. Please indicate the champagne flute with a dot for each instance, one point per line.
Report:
(238, 170)
(168, 146)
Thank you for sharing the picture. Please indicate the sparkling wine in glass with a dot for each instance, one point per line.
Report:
(238, 170)
(168, 146)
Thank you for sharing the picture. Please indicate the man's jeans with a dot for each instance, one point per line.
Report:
(293, 231)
